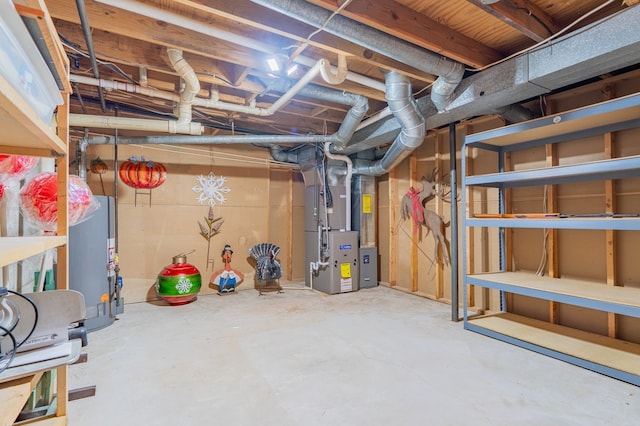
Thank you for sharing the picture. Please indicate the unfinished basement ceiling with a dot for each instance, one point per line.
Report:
(227, 43)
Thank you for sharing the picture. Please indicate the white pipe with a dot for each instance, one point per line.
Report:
(212, 31)
(351, 76)
(347, 181)
(310, 75)
(125, 87)
(161, 126)
(339, 76)
(186, 72)
(191, 85)
(213, 103)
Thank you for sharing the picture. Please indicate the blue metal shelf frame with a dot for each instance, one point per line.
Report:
(589, 365)
(618, 114)
(610, 169)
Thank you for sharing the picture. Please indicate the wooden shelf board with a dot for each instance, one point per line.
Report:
(627, 296)
(49, 421)
(605, 223)
(618, 110)
(20, 125)
(37, 10)
(14, 249)
(13, 395)
(617, 354)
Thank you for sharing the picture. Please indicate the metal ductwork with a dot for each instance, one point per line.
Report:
(613, 43)
(449, 72)
(405, 110)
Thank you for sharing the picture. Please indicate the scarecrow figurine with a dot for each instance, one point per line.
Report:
(226, 279)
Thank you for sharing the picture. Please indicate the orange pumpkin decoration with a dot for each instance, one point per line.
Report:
(98, 166)
(142, 174)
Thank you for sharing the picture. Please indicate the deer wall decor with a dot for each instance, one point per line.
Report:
(413, 205)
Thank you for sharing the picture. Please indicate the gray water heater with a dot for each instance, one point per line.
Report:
(91, 265)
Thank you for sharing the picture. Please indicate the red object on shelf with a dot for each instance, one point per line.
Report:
(1, 191)
(142, 174)
(16, 167)
(39, 201)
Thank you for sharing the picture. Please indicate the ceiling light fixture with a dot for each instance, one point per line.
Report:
(292, 69)
(273, 64)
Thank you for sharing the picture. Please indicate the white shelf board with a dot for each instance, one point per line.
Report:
(21, 128)
(617, 354)
(70, 357)
(14, 249)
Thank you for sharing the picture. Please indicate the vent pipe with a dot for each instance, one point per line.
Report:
(405, 110)
(191, 85)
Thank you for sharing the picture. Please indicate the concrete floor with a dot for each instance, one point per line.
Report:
(373, 357)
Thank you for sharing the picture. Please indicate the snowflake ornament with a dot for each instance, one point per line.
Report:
(211, 189)
(184, 285)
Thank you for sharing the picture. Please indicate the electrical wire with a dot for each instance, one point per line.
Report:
(35, 312)
(300, 48)
(543, 259)
(548, 39)
(12, 352)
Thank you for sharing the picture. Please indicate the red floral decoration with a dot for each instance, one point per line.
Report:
(39, 201)
(16, 167)
(142, 174)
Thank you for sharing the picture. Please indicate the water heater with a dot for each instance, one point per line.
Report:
(91, 265)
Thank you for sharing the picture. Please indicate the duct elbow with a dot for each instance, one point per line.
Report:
(283, 157)
(444, 86)
(351, 121)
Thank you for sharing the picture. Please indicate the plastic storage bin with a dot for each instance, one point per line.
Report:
(23, 66)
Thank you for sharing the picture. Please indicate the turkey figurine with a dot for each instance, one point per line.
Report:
(267, 266)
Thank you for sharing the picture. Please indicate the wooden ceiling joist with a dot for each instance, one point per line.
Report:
(522, 15)
(400, 21)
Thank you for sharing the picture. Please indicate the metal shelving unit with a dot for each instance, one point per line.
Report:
(606, 355)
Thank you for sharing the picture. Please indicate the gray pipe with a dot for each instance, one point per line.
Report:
(454, 222)
(82, 166)
(86, 30)
(359, 106)
(411, 136)
(450, 72)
